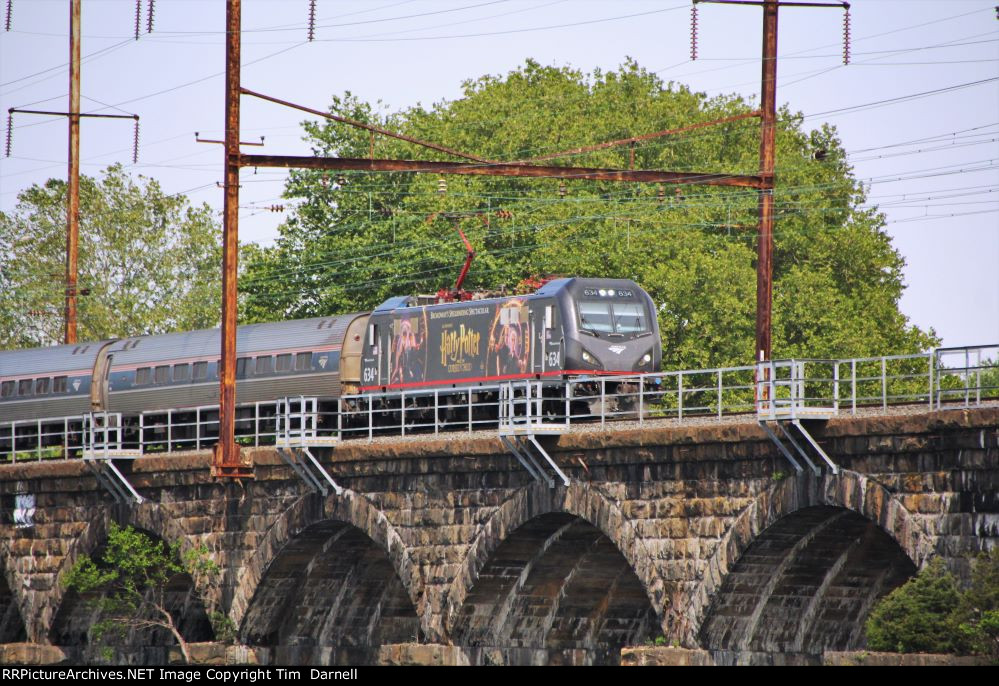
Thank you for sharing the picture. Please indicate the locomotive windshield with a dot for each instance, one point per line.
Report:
(606, 317)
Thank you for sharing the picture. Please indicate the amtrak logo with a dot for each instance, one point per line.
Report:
(76, 385)
(616, 349)
(322, 361)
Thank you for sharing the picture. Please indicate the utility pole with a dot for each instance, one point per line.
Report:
(765, 242)
(71, 290)
(768, 122)
(226, 462)
(73, 187)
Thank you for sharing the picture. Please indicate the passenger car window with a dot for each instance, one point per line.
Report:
(24, 387)
(142, 376)
(42, 386)
(283, 363)
(6, 389)
(240, 367)
(59, 384)
(303, 362)
(200, 370)
(181, 372)
(265, 364)
(162, 374)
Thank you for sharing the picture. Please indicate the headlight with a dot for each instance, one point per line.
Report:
(591, 359)
(647, 358)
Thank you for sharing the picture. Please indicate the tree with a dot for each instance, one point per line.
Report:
(930, 614)
(916, 617)
(355, 238)
(978, 609)
(127, 585)
(150, 262)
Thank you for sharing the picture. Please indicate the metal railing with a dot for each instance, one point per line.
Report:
(945, 377)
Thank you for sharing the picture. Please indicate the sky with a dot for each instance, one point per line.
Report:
(917, 108)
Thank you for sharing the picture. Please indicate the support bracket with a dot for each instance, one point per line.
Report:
(786, 427)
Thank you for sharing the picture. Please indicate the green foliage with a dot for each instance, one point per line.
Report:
(357, 238)
(916, 617)
(930, 614)
(150, 261)
(127, 585)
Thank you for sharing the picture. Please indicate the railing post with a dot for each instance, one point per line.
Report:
(568, 402)
(679, 395)
(603, 401)
(929, 391)
(884, 384)
(437, 409)
(967, 376)
(641, 399)
(720, 394)
(402, 413)
(978, 377)
(836, 386)
(371, 419)
(853, 385)
(38, 438)
(468, 398)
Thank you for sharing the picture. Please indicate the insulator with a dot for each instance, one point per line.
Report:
(693, 32)
(341, 180)
(277, 208)
(441, 186)
(10, 11)
(149, 16)
(563, 190)
(661, 193)
(846, 37)
(324, 180)
(10, 131)
(678, 193)
(135, 142)
(138, 17)
(312, 19)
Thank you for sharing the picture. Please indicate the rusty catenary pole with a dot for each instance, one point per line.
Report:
(765, 244)
(227, 460)
(73, 186)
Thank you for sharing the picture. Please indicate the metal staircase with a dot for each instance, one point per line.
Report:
(297, 433)
(784, 398)
(521, 421)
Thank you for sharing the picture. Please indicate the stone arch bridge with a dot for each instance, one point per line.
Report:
(701, 535)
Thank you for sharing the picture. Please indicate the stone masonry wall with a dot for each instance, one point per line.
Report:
(680, 504)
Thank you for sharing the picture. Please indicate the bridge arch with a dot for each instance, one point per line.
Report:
(578, 504)
(147, 517)
(71, 617)
(308, 510)
(330, 582)
(825, 531)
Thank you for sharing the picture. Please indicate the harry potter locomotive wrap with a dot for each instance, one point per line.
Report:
(568, 327)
